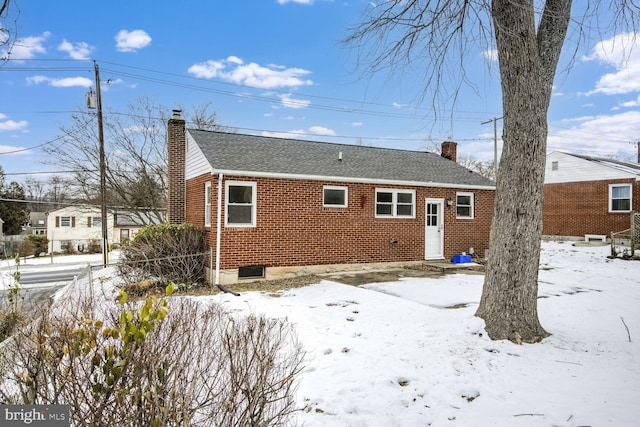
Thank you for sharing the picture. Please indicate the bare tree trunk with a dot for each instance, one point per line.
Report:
(528, 60)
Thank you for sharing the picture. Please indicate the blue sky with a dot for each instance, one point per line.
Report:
(275, 66)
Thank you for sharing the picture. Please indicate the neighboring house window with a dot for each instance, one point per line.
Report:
(207, 204)
(240, 203)
(554, 166)
(94, 221)
(395, 203)
(464, 205)
(65, 221)
(124, 235)
(619, 197)
(335, 197)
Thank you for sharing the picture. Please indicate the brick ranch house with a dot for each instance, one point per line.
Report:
(274, 207)
(588, 197)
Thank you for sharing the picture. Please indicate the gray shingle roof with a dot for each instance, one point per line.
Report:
(260, 154)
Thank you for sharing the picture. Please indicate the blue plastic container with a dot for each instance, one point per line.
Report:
(461, 259)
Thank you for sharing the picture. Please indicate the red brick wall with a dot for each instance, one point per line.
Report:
(294, 229)
(579, 208)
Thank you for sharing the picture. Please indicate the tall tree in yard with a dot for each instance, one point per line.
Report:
(528, 36)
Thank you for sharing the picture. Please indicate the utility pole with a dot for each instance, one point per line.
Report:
(495, 143)
(103, 180)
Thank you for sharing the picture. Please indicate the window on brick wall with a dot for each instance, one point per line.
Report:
(240, 206)
(395, 203)
(207, 204)
(620, 198)
(464, 205)
(334, 197)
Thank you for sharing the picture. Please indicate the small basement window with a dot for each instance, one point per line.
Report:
(251, 271)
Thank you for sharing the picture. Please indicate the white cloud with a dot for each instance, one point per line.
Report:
(397, 105)
(619, 53)
(313, 130)
(295, 1)
(12, 150)
(320, 130)
(290, 134)
(490, 54)
(130, 41)
(289, 102)
(65, 82)
(635, 103)
(27, 48)
(80, 50)
(13, 125)
(357, 124)
(597, 135)
(234, 70)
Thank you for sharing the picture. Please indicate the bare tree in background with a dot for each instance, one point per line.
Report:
(9, 13)
(136, 159)
(481, 167)
(47, 195)
(528, 36)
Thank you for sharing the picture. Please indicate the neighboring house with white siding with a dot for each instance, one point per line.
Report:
(589, 197)
(80, 227)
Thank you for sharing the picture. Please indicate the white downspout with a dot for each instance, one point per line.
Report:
(218, 228)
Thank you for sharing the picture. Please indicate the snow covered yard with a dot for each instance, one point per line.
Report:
(411, 353)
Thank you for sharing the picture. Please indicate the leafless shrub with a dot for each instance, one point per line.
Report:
(197, 366)
(166, 253)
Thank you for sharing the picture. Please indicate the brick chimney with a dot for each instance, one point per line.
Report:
(449, 150)
(176, 147)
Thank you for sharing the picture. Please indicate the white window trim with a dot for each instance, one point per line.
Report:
(207, 204)
(61, 219)
(254, 193)
(346, 196)
(472, 206)
(394, 203)
(611, 197)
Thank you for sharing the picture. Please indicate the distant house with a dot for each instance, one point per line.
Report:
(589, 197)
(273, 207)
(128, 223)
(79, 227)
(37, 223)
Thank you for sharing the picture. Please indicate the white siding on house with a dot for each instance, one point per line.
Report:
(575, 169)
(79, 231)
(196, 163)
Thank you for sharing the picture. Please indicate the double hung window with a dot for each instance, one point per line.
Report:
(620, 198)
(240, 199)
(464, 205)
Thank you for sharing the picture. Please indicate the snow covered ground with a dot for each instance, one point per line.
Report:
(411, 352)
(394, 354)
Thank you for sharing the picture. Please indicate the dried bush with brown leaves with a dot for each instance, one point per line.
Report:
(173, 363)
(166, 253)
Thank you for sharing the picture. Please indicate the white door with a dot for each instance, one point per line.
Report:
(434, 229)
